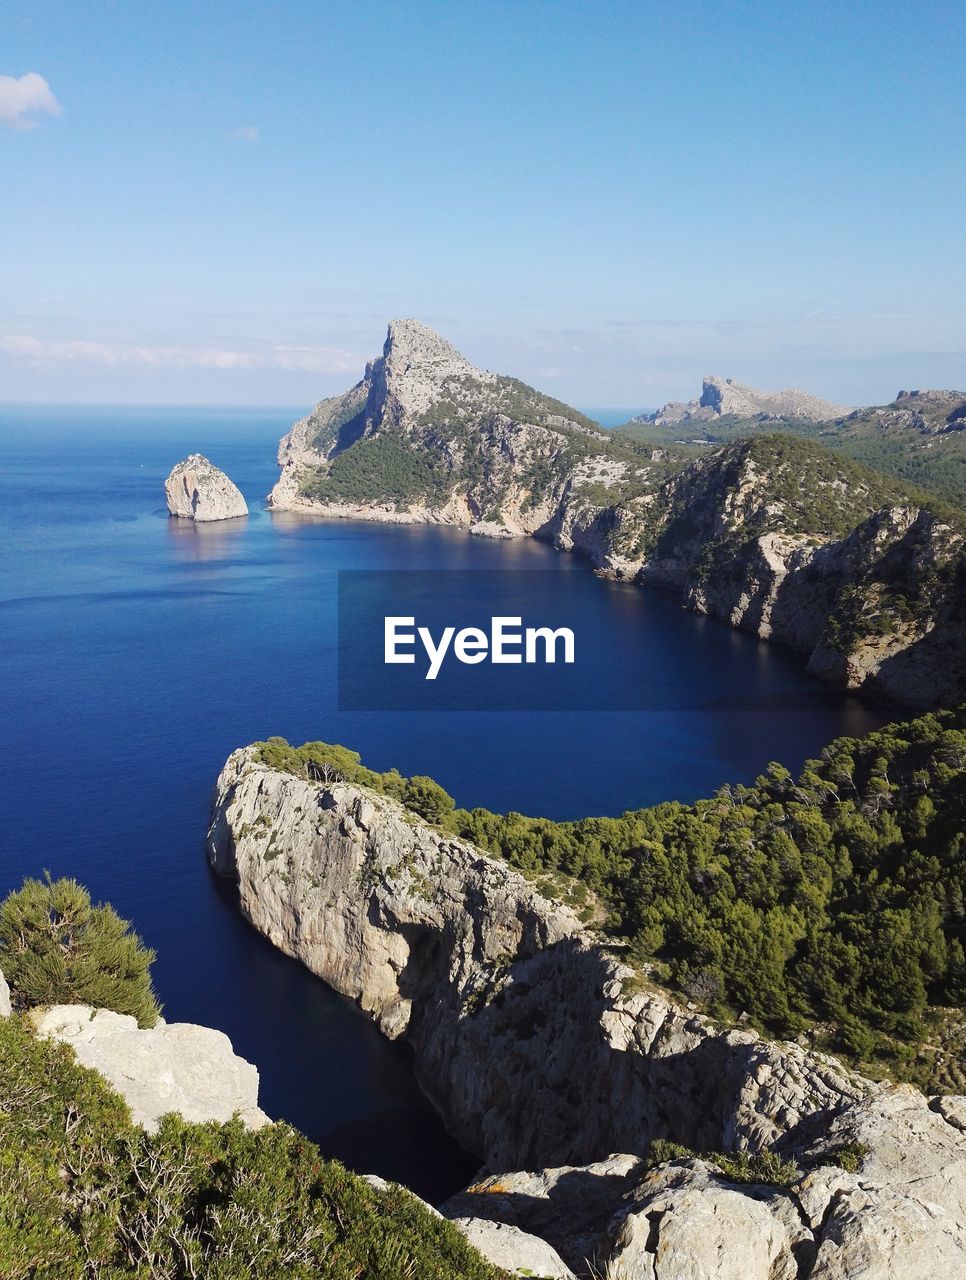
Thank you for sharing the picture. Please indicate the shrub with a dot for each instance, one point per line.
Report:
(84, 1193)
(56, 947)
(427, 798)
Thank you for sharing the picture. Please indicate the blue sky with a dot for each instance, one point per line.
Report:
(226, 202)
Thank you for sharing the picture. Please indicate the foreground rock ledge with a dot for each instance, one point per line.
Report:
(174, 1066)
(197, 490)
(543, 1053)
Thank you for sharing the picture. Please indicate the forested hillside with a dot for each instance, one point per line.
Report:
(830, 904)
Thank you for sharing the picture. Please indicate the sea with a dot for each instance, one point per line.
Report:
(137, 651)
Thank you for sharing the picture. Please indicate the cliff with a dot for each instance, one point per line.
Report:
(542, 1049)
(197, 490)
(773, 534)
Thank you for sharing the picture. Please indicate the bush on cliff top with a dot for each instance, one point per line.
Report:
(56, 947)
(84, 1192)
(326, 762)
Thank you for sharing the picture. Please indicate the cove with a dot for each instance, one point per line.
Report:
(138, 651)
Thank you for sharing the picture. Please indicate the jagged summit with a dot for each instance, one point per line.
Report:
(425, 430)
(409, 342)
(726, 397)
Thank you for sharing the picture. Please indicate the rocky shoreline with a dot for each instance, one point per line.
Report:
(774, 535)
(546, 1055)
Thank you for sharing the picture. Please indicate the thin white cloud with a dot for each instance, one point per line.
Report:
(24, 100)
(247, 133)
(133, 355)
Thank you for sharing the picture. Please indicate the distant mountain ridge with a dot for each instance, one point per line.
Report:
(722, 397)
(774, 533)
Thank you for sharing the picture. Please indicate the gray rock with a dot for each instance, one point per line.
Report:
(5, 1009)
(170, 1067)
(504, 1245)
(514, 1250)
(567, 1206)
(512, 1010)
(545, 1053)
(197, 490)
(688, 1222)
(722, 397)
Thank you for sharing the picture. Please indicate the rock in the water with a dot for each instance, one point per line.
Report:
(197, 490)
(170, 1067)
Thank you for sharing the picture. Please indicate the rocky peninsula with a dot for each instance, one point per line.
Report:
(197, 490)
(774, 534)
(547, 1055)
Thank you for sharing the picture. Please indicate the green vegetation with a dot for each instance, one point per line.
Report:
(919, 441)
(327, 763)
(766, 1168)
(85, 1193)
(833, 904)
(383, 467)
(56, 947)
(837, 897)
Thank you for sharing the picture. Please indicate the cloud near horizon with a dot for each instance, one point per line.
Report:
(133, 355)
(25, 99)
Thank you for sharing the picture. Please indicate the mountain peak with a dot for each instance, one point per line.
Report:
(721, 397)
(410, 342)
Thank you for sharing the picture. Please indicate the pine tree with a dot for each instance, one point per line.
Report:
(56, 947)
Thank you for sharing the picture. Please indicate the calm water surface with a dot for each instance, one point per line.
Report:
(137, 651)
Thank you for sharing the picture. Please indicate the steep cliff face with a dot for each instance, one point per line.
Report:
(541, 1048)
(773, 534)
(511, 1008)
(426, 437)
(793, 544)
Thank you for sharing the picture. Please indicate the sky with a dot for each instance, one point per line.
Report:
(226, 202)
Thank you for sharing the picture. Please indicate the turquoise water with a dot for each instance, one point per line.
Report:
(138, 651)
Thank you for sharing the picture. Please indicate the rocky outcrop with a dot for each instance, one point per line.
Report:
(5, 1008)
(726, 397)
(174, 1066)
(197, 490)
(898, 1209)
(459, 954)
(497, 453)
(544, 1052)
(774, 534)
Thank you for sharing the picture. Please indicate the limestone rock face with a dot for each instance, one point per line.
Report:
(543, 1055)
(197, 490)
(170, 1067)
(511, 1009)
(514, 1250)
(901, 1211)
(783, 541)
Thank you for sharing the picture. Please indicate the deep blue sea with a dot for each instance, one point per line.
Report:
(137, 651)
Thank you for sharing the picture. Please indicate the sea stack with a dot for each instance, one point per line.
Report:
(197, 490)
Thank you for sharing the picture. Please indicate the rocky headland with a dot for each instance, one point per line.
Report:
(198, 490)
(774, 533)
(547, 1055)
